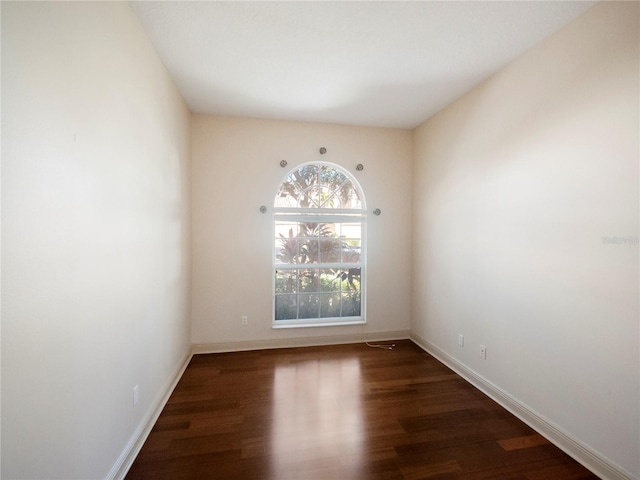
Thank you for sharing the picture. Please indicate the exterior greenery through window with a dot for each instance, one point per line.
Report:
(319, 248)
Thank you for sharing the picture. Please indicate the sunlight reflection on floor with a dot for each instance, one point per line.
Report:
(317, 419)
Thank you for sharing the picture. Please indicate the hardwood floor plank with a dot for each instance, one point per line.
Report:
(343, 412)
(523, 442)
(432, 470)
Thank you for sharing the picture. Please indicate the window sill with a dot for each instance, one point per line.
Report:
(314, 322)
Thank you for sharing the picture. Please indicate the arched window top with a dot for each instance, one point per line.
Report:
(319, 186)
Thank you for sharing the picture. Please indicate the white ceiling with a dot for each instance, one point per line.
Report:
(385, 63)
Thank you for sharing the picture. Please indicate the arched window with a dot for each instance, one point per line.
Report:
(319, 248)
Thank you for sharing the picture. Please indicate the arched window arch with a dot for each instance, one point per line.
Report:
(320, 248)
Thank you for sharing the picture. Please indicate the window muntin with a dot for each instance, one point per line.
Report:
(318, 248)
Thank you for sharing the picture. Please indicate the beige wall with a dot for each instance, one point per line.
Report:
(95, 237)
(236, 170)
(515, 187)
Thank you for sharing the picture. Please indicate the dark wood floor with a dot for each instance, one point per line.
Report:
(337, 413)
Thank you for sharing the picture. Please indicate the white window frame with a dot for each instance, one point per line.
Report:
(322, 215)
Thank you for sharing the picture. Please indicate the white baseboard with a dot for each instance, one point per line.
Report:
(592, 460)
(133, 447)
(299, 342)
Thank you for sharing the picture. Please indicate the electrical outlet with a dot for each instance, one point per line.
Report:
(136, 395)
(244, 320)
(461, 340)
(483, 352)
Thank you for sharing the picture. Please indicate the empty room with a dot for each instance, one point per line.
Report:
(320, 240)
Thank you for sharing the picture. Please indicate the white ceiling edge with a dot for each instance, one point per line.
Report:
(383, 64)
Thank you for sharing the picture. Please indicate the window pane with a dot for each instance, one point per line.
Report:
(329, 280)
(286, 243)
(348, 196)
(350, 251)
(287, 250)
(329, 305)
(287, 195)
(308, 250)
(307, 174)
(351, 242)
(286, 307)
(350, 278)
(309, 306)
(286, 229)
(286, 281)
(330, 176)
(351, 304)
(351, 230)
(305, 177)
(330, 250)
(309, 280)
